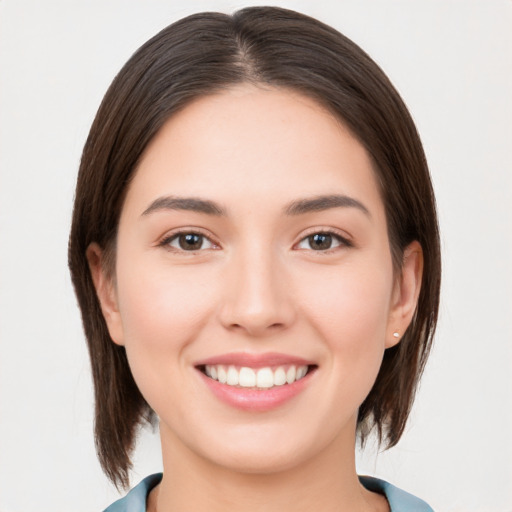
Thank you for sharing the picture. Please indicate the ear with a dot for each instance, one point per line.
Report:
(106, 292)
(405, 293)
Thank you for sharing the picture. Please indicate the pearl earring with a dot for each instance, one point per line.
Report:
(396, 335)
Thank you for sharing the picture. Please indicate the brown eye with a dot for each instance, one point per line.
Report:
(323, 241)
(320, 241)
(189, 242)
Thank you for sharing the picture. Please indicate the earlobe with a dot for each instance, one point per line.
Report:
(406, 293)
(106, 292)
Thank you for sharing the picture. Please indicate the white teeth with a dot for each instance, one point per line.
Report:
(232, 377)
(262, 378)
(301, 372)
(221, 375)
(279, 377)
(247, 377)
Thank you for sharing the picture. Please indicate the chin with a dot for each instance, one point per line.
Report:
(257, 461)
(260, 449)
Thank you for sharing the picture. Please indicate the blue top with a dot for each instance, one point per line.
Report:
(399, 501)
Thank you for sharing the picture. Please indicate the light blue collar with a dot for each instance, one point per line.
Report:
(399, 501)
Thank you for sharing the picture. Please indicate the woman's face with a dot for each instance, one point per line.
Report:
(252, 247)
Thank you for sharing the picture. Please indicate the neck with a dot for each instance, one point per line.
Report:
(326, 482)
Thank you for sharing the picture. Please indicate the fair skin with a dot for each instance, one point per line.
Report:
(287, 263)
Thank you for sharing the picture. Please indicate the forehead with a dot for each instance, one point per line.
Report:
(261, 145)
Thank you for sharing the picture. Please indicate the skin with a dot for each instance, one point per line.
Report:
(256, 285)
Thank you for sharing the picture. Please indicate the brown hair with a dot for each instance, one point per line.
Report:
(203, 54)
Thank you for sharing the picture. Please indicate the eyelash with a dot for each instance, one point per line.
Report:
(166, 242)
(341, 241)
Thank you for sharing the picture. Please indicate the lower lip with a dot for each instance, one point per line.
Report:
(255, 400)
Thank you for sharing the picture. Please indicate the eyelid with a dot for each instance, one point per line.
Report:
(165, 240)
(344, 239)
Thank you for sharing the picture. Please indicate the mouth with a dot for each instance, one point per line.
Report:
(263, 378)
(256, 383)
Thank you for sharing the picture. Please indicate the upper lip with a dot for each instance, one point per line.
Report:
(254, 360)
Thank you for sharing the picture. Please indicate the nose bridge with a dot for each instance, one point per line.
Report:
(256, 297)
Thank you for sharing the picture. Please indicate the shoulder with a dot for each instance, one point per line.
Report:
(399, 501)
(135, 500)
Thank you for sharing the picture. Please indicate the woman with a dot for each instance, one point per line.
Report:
(255, 252)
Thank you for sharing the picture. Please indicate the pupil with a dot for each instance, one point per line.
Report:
(320, 241)
(191, 241)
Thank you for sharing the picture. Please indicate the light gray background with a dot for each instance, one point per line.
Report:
(451, 61)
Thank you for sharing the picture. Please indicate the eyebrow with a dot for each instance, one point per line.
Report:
(298, 207)
(320, 203)
(194, 204)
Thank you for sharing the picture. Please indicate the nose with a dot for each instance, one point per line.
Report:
(257, 298)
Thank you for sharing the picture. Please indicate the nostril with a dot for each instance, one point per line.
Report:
(256, 326)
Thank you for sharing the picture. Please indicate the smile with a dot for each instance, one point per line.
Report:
(258, 378)
(256, 383)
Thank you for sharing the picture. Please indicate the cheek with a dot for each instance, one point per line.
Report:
(162, 312)
(349, 308)
(352, 298)
(159, 305)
